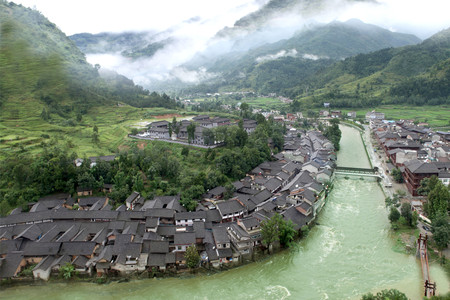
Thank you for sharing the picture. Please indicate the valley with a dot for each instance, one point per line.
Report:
(184, 148)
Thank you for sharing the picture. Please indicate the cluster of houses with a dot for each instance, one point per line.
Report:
(417, 151)
(154, 234)
(162, 130)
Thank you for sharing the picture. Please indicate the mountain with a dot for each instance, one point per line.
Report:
(110, 42)
(277, 67)
(40, 65)
(416, 74)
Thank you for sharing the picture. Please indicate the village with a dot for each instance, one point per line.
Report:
(414, 151)
(153, 235)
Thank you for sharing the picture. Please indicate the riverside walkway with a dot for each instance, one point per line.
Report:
(429, 287)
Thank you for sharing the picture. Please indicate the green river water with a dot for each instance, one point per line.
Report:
(349, 253)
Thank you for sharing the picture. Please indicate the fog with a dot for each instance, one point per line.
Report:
(195, 33)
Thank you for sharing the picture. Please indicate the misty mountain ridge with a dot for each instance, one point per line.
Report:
(416, 74)
(41, 66)
(335, 41)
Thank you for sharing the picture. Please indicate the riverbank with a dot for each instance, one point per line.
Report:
(405, 237)
(349, 253)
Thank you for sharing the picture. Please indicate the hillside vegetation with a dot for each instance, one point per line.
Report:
(50, 94)
(283, 66)
(416, 75)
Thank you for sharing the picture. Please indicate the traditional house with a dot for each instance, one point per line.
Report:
(415, 171)
(230, 210)
(133, 200)
(188, 218)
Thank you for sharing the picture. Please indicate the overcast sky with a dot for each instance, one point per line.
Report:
(421, 17)
(194, 23)
(94, 16)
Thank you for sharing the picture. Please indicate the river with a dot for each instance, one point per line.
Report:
(349, 253)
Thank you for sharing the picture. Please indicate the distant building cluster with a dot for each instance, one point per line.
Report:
(417, 151)
(154, 234)
(161, 130)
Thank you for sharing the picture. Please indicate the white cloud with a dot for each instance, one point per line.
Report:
(282, 53)
(191, 25)
(310, 56)
(135, 15)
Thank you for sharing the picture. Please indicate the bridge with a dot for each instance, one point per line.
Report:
(429, 287)
(357, 171)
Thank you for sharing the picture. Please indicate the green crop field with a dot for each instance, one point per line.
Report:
(23, 130)
(435, 116)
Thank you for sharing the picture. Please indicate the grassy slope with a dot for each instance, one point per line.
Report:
(26, 128)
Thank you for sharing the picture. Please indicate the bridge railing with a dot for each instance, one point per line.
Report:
(356, 170)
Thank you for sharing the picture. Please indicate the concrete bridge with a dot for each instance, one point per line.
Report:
(365, 172)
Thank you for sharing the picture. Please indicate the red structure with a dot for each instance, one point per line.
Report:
(415, 171)
(430, 288)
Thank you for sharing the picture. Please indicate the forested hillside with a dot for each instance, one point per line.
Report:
(39, 63)
(282, 66)
(416, 75)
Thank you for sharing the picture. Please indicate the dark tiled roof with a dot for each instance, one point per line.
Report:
(10, 264)
(156, 260)
(250, 222)
(261, 197)
(213, 215)
(77, 248)
(160, 212)
(272, 184)
(159, 246)
(190, 215)
(418, 167)
(220, 235)
(166, 230)
(40, 248)
(296, 217)
(184, 238)
(8, 246)
(132, 197)
(229, 207)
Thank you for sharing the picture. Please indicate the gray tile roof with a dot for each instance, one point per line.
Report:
(229, 207)
(220, 235)
(10, 264)
(77, 248)
(184, 238)
(40, 249)
(159, 246)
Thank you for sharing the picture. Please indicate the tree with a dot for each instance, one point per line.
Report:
(67, 271)
(191, 132)
(192, 257)
(287, 233)
(276, 229)
(95, 136)
(427, 184)
(270, 231)
(406, 213)
(441, 231)
(391, 294)
(185, 151)
(208, 136)
(438, 200)
(333, 133)
(229, 190)
(394, 215)
(397, 175)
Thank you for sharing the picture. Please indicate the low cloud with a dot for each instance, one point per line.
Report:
(192, 26)
(282, 53)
